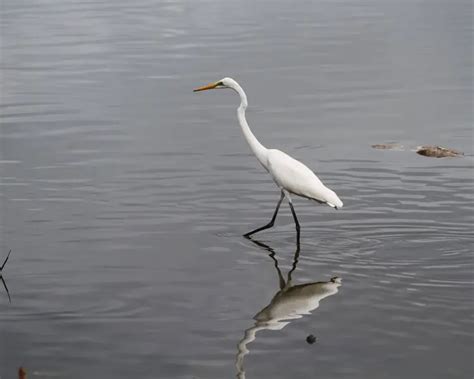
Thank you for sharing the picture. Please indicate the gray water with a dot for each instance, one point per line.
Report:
(124, 196)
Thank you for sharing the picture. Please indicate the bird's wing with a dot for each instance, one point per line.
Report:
(292, 175)
(297, 178)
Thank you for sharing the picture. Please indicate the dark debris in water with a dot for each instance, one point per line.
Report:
(431, 151)
(437, 152)
(311, 339)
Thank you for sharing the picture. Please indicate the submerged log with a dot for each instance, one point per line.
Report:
(387, 146)
(437, 152)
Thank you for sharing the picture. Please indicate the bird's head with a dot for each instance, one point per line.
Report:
(221, 84)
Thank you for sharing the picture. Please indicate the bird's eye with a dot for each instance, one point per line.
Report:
(220, 84)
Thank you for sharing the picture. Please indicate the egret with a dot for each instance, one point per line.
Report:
(290, 175)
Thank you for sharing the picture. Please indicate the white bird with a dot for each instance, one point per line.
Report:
(290, 175)
(1, 276)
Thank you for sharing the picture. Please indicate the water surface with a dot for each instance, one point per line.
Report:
(124, 196)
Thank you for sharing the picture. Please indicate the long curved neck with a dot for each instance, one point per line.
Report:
(257, 148)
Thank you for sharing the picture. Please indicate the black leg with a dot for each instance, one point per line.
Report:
(1, 277)
(5, 262)
(6, 288)
(296, 219)
(272, 221)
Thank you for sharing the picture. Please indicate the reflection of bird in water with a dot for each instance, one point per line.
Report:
(289, 303)
(1, 276)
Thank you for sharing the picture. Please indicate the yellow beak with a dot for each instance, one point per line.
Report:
(205, 88)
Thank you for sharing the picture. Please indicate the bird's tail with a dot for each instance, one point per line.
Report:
(334, 201)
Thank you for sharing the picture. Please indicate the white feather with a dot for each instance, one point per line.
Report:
(295, 177)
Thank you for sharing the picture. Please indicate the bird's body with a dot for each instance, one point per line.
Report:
(289, 174)
(295, 177)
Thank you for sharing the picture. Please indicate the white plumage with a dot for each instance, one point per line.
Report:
(289, 174)
(293, 176)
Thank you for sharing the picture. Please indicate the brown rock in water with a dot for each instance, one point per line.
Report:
(437, 152)
(21, 373)
(387, 146)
